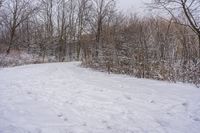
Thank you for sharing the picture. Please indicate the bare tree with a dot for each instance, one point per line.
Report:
(102, 9)
(190, 9)
(84, 7)
(47, 17)
(62, 27)
(71, 32)
(15, 13)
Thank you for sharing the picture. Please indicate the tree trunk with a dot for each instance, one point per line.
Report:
(199, 45)
(9, 47)
(11, 41)
(78, 50)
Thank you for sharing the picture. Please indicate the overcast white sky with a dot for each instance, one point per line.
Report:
(132, 5)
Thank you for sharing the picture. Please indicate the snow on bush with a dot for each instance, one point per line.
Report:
(16, 59)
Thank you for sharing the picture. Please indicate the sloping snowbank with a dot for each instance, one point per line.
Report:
(65, 98)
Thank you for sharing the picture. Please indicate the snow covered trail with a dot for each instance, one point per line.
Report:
(65, 98)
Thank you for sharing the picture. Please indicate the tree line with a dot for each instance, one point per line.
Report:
(96, 32)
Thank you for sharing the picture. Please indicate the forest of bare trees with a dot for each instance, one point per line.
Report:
(102, 37)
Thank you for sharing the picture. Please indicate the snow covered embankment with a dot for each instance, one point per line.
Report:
(64, 98)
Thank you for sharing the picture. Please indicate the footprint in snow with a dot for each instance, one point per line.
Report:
(60, 115)
(29, 93)
(185, 104)
(101, 90)
(78, 92)
(109, 127)
(197, 119)
(170, 114)
(104, 121)
(84, 124)
(128, 97)
(65, 119)
(152, 101)
(67, 102)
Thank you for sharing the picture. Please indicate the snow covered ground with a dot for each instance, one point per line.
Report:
(65, 98)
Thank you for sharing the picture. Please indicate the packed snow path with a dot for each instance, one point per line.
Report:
(65, 98)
